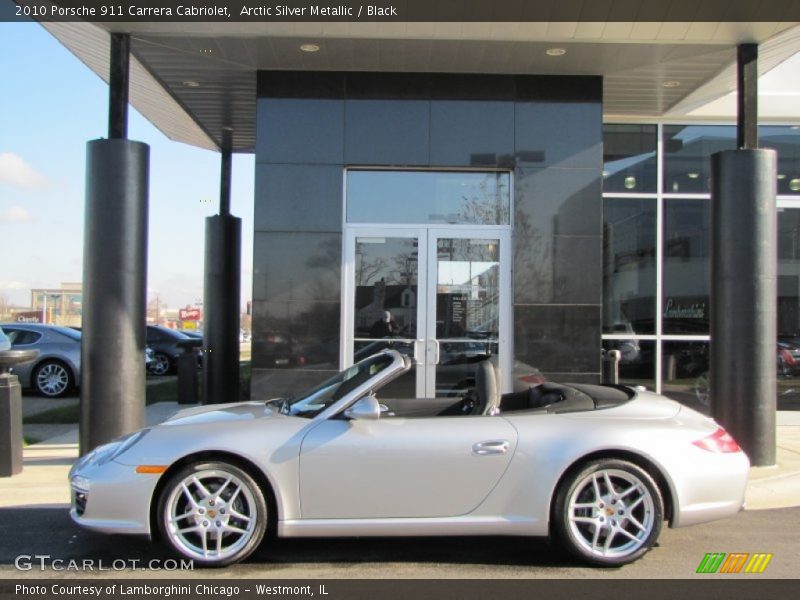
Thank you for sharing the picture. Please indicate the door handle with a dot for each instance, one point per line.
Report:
(435, 344)
(419, 351)
(491, 447)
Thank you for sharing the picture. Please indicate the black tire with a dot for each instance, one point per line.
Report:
(228, 517)
(52, 379)
(161, 365)
(608, 527)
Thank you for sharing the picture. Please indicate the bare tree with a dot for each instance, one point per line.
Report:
(5, 307)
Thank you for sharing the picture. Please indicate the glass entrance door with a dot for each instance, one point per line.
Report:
(439, 295)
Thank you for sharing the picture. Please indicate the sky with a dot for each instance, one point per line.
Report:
(51, 104)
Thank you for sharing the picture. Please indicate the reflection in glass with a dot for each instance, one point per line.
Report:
(386, 288)
(467, 310)
(789, 309)
(428, 197)
(685, 373)
(468, 288)
(686, 266)
(687, 155)
(629, 158)
(629, 265)
(786, 141)
(637, 365)
(386, 295)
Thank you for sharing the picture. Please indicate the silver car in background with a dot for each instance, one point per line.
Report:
(57, 369)
(599, 468)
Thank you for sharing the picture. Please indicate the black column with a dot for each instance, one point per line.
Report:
(744, 299)
(118, 77)
(221, 296)
(114, 289)
(744, 279)
(747, 96)
(114, 271)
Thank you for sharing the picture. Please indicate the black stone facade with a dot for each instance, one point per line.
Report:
(546, 130)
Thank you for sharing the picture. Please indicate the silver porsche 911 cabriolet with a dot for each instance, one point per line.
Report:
(600, 468)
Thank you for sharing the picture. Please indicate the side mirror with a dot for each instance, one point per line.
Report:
(367, 408)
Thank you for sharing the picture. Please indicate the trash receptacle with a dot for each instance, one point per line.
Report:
(11, 411)
(187, 371)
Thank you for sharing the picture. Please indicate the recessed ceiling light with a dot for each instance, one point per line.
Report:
(781, 175)
(190, 83)
(672, 83)
(556, 52)
(309, 47)
(693, 175)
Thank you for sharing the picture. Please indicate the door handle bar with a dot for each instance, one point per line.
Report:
(491, 447)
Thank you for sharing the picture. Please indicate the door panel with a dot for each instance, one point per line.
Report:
(387, 267)
(465, 298)
(397, 467)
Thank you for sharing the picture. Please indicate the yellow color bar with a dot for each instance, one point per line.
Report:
(758, 563)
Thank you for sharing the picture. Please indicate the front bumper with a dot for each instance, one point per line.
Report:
(112, 498)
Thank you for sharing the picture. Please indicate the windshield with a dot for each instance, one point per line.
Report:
(335, 388)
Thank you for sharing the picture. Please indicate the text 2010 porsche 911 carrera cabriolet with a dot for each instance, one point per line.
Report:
(600, 468)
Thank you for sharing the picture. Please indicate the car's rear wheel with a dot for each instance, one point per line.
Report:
(53, 379)
(608, 513)
(161, 364)
(213, 513)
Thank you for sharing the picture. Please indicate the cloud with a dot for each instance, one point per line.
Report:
(14, 285)
(15, 171)
(15, 214)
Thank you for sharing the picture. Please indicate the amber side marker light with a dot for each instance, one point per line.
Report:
(151, 469)
(719, 441)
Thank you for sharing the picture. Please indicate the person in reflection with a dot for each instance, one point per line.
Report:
(385, 327)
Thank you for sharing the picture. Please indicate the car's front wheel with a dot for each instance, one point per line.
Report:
(213, 513)
(608, 513)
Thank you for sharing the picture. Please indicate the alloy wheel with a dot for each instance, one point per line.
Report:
(160, 364)
(214, 515)
(52, 379)
(612, 514)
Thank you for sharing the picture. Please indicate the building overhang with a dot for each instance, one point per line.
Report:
(195, 81)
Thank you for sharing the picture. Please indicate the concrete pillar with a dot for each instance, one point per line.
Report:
(744, 298)
(221, 302)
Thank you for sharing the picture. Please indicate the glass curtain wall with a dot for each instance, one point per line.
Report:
(656, 277)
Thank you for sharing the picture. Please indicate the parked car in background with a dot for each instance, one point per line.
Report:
(164, 342)
(57, 369)
(198, 335)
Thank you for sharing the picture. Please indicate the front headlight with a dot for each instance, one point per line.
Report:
(81, 483)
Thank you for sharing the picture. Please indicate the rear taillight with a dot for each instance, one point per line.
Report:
(719, 441)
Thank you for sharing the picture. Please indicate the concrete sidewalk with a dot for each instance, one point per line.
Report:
(43, 481)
